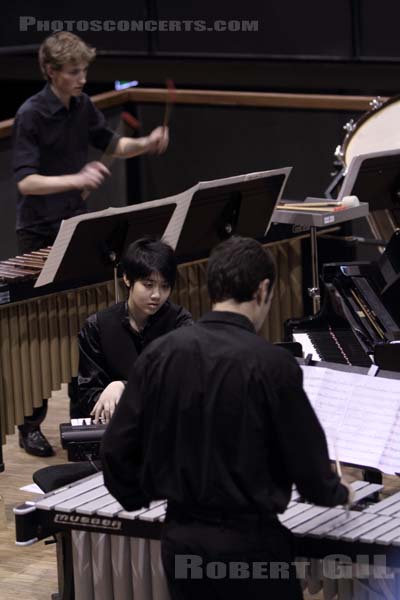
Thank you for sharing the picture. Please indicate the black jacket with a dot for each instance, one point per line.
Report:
(214, 417)
(108, 346)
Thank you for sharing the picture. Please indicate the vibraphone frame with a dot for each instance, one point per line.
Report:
(86, 506)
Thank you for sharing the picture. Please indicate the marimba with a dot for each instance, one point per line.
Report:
(16, 274)
(39, 326)
(118, 552)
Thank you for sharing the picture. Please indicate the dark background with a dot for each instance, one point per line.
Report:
(341, 47)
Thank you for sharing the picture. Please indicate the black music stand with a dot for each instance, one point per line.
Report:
(92, 251)
(374, 178)
(235, 208)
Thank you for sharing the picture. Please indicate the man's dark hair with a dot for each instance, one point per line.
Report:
(236, 267)
(149, 255)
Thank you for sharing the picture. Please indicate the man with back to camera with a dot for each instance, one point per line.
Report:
(51, 136)
(215, 419)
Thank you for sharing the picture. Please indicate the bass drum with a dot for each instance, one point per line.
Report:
(377, 130)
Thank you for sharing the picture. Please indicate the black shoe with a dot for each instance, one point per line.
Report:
(34, 442)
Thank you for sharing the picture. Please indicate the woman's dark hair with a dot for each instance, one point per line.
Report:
(236, 267)
(149, 255)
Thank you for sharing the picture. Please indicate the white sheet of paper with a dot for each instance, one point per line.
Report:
(68, 227)
(361, 412)
(173, 230)
(33, 488)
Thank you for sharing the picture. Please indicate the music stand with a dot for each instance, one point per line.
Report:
(374, 178)
(89, 247)
(241, 205)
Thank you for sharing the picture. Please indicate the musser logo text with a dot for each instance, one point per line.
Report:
(90, 522)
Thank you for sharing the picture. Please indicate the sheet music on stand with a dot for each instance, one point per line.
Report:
(374, 178)
(360, 415)
(84, 242)
(240, 205)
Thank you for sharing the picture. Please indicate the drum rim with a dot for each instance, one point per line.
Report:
(361, 121)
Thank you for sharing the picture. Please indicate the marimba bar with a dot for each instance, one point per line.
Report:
(23, 267)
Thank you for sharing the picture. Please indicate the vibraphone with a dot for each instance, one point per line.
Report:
(39, 326)
(116, 554)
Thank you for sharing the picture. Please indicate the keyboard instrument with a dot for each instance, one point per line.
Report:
(360, 314)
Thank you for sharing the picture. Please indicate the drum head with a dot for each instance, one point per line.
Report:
(376, 131)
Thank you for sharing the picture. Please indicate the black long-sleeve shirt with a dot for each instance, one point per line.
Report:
(108, 346)
(50, 139)
(216, 418)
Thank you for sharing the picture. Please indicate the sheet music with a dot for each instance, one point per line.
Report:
(359, 413)
(390, 462)
(68, 227)
(203, 185)
(354, 169)
(172, 232)
(184, 199)
(174, 227)
(213, 183)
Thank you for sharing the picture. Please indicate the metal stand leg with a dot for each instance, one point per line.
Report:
(116, 288)
(334, 184)
(1, 454)
(1, 459)
(314, 291)
(66, 590)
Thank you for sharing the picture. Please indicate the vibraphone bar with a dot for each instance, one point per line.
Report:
(113, 548)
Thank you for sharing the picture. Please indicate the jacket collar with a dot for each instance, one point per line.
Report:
(229, 318)
(150, 321)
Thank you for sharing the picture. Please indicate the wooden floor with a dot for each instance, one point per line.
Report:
(30, 573)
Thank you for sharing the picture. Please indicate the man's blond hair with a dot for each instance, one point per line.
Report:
(61, 48)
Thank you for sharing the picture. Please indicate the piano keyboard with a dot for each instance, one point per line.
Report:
(339, 346)
(117, 553)
(307, 345)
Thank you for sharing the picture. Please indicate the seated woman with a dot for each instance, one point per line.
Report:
(111, 339)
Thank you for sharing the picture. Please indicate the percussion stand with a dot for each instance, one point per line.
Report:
(334, 185)
(1, 454)
(314, 291)
(315, 219)
(1, 459)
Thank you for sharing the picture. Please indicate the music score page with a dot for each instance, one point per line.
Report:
(360, 415)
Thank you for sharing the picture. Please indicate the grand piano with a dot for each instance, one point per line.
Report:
(360, 317)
